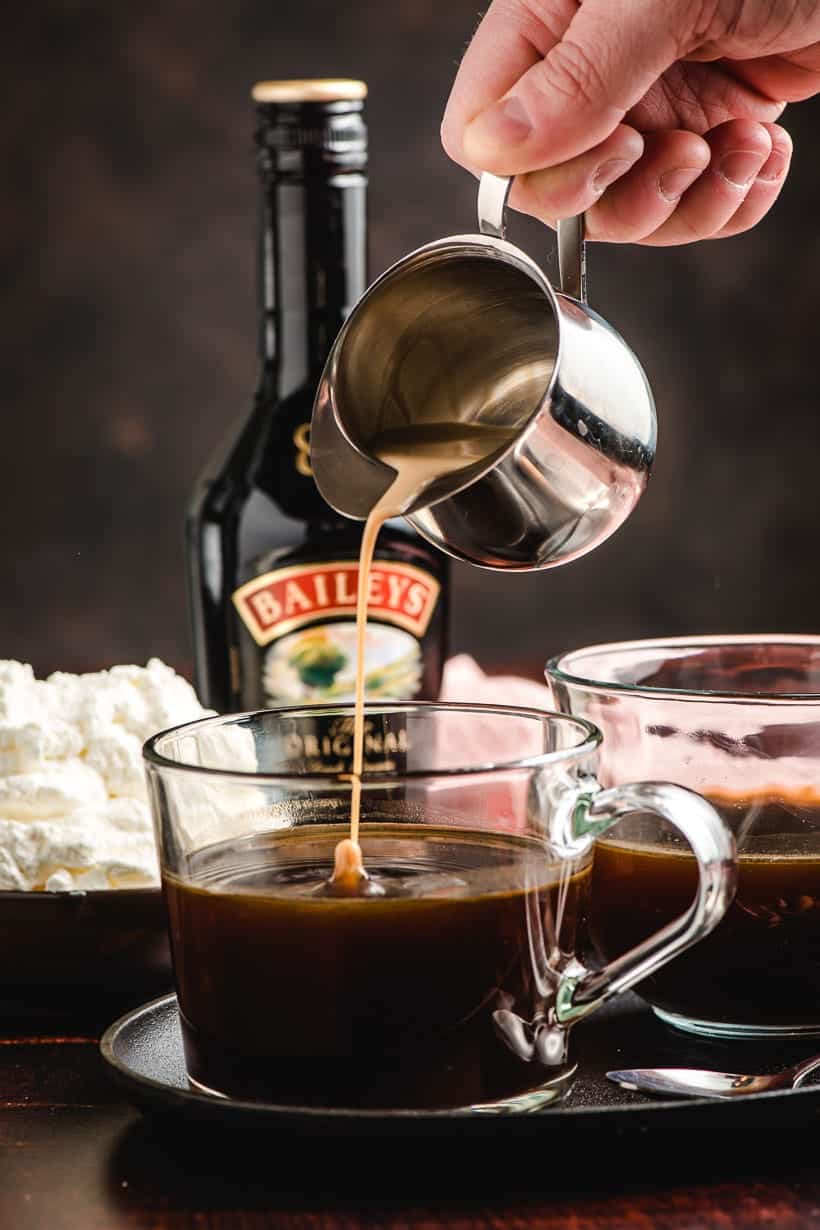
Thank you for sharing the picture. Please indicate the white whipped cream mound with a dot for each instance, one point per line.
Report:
(74, 810)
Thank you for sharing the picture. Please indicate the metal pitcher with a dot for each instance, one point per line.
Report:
(470, 329)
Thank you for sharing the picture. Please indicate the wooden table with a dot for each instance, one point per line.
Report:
(74, 1155)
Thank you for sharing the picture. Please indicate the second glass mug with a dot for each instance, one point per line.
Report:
(453, 990)
(736, 718)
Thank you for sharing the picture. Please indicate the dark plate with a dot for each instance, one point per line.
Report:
(144, 1050)
(63, 954)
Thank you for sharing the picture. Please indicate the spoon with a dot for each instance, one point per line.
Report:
(699, 1083)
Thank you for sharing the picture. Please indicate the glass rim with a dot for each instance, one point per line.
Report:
(591, 740)
(554, 669)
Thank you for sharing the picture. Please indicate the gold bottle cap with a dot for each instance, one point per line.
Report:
(322, 89)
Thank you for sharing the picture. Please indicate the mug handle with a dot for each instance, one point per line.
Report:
(493, 191)
(581, 991)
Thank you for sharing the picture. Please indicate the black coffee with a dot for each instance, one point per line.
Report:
(293, 996)
(761, 965)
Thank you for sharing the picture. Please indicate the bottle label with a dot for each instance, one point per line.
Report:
(305, 616)
(301, 443)
(328, 748)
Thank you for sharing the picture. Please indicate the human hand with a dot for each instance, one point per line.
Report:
(654, 117)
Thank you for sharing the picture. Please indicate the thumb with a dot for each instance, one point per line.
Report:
(609, 55)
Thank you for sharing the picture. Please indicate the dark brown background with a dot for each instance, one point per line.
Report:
(126, 238)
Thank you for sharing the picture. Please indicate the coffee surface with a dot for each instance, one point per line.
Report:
(761, 965)
(398, 1000)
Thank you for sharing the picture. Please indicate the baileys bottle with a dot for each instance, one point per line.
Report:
(272, 569)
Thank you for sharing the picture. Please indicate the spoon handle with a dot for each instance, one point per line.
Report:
(804, 1069)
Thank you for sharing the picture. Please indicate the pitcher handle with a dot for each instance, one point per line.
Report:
(713, 845)
(493, 191)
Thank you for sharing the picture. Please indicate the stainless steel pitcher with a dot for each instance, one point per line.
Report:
(469, 329)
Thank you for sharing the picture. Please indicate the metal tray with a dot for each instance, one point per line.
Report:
(144, 1051)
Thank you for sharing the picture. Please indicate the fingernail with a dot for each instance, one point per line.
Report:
(774, 167)
(672, 184)
(505, 123)
(740, 167)
(608, 172)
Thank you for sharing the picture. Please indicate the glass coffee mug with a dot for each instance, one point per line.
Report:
(738, 720)
(452, 979)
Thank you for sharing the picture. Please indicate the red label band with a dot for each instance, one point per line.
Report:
(279, 602)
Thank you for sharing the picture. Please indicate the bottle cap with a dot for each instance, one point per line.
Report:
(316, 90)
(324, 114)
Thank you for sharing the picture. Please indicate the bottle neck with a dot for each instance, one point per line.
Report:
(312, 258)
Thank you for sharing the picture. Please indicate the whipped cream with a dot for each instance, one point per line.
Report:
(74, 810)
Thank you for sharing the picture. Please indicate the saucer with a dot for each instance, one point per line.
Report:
(144, 1052)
